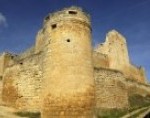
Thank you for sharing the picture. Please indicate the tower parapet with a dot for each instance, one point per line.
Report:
(73, 14)
(54, 20)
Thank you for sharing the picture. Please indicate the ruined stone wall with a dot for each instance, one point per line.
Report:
(22, 84)
(111, 92)
(100, 60)
(115, 48)
(113, 89)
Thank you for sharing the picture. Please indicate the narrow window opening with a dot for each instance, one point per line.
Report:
(68, 40)
(54, 26)
(72, 12)
(21, 63)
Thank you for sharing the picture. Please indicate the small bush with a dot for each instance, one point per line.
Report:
(137, 101)
(29, 114)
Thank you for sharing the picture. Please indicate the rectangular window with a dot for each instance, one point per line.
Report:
(54, 26)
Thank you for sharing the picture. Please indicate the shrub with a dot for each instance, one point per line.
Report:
(29, 114)
(137, 101)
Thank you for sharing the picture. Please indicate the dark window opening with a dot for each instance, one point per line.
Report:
(21, 63)
(54, 26)
(72, 12)
(68, 40)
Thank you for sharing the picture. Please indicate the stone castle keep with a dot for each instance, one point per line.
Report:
(62, 75)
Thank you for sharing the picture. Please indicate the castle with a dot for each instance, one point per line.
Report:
(62, 75)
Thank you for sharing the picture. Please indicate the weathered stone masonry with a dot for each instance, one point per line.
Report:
(110, 89)
(62, 76)
(22, 84)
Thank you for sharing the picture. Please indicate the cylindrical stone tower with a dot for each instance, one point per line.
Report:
(68, 87)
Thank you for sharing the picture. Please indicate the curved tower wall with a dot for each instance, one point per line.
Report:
(68, 88)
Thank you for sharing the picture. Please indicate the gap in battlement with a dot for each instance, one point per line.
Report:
(72, 12)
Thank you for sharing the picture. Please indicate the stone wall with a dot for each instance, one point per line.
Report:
(134, 87)
(113, 88)
(115, 48)
(100, 60)
(1, 64)
(27, 53)
(1, 87)
(6, 59)
(22, 84)
(111, 92)
(136, 73)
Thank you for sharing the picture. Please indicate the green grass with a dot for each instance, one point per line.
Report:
(136, 101)
(110, 113)
(137, 114)
(29, 114)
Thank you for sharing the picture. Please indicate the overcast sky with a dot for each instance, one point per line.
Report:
(21, 19)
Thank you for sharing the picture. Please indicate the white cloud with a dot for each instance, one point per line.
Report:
(3, 22)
